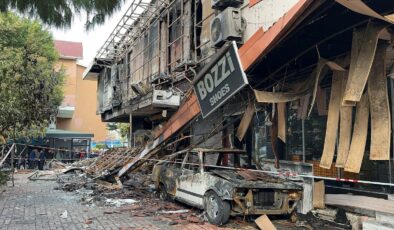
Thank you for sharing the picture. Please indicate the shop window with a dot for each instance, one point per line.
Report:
(262, 148)
(313, 130)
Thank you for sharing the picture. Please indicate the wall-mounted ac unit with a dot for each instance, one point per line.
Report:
(221, 4)
(166, 99)
(227, 25)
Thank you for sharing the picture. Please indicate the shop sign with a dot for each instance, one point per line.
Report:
(219, 80)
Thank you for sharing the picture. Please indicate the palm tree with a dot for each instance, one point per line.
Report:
(60, 13)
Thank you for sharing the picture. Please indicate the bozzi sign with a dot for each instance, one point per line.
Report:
(219, 80)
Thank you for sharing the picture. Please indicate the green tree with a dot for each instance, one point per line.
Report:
(60, 13)
(122, 128)
(30, 89)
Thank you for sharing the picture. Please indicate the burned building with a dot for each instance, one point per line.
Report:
(318, 94)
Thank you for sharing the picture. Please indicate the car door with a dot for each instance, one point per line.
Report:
(192, 183)
(172, 171)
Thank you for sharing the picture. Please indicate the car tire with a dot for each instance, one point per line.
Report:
(216, 209)
(163, 195)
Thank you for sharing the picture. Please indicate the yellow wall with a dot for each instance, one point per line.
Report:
(70, 84)
(83, 95)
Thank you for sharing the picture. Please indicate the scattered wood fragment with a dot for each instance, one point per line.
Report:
(361, 202)
(318, 194)
(264, 223)
(282, 121)
(108, 185)
(245, 122)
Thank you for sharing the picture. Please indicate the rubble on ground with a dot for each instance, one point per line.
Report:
(42, 175)
(91, 180)
(56, 165)
(137, 196)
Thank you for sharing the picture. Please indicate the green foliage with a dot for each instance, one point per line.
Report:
(100, 146)
(60, 13)
(122, 128)
(30, 89)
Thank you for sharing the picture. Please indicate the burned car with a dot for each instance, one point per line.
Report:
(214, 181)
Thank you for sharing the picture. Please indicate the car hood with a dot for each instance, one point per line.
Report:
(253, 179)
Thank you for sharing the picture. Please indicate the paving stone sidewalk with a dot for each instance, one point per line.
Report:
(37, 205)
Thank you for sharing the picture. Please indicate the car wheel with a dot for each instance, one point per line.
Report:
(217, 210)
(163, 195)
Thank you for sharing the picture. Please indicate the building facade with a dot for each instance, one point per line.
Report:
(77, 112)
(297, 114)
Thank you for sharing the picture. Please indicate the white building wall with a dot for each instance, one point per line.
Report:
(264, 14)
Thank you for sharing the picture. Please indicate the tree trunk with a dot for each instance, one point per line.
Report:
(12, 160)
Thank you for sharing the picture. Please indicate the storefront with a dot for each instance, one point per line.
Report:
(68, 145)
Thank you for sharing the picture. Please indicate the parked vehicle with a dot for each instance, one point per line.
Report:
(214, 181)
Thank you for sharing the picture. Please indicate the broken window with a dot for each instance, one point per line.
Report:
(100, 91)
(262, 148)
(175, 30)
(107, 89)
(203, 14)
(136, 60)
(313, 132)
(210, 161)
(192, 162)
(154, 50)
(145, 57)
(222, 161)
(177, 161)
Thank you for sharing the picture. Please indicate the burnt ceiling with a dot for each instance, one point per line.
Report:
(325, 31)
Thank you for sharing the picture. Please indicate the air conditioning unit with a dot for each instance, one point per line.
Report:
(166, 99)
(221, 4)
(227, 26)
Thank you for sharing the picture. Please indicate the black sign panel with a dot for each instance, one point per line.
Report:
(219, 80)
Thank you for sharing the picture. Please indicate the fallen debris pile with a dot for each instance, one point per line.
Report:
(137, 196)
(102, 193)
(171, 212)
(109, 162)
(93, 179)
